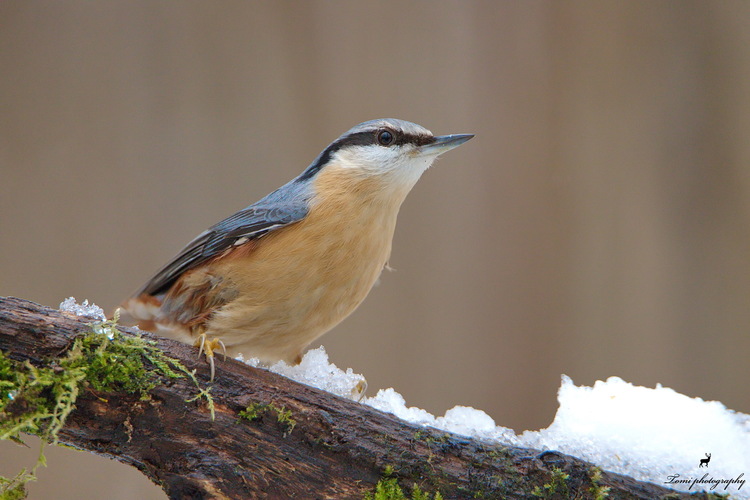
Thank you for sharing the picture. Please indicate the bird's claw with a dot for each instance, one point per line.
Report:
(208, 346)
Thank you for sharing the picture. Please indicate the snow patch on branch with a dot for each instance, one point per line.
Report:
(656, 435)
(315, 370)
(85, 310)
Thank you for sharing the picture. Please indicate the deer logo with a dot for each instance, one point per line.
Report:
(704, 461)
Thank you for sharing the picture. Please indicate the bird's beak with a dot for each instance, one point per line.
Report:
(444, 143)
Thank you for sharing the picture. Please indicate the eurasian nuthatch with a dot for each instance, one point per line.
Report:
(272, 278)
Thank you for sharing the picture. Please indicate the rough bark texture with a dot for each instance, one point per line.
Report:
(336, 449)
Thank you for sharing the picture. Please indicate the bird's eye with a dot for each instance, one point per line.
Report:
(385, 137)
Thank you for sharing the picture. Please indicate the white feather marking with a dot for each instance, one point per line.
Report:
(141, 310)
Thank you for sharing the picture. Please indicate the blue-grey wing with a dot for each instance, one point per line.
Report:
(273, 212)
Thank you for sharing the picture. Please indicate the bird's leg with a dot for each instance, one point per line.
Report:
(209, 346)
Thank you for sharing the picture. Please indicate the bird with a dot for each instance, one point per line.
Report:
(270, 279)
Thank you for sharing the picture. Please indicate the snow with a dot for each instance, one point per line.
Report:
(461, 420)
(86, 310)
(315, 370)
(656, 435)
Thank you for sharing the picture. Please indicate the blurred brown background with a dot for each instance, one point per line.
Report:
(599, 223)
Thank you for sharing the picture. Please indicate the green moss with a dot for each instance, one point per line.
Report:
(430, 439)
(418, 494)
(38, 400)
(15, 488)
(388, 489)
(255, 411)
(558, 484)
(284, 417)
(599, 491)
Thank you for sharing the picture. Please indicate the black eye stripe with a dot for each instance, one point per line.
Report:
(364, 138)
(371, 137)
(417, 140)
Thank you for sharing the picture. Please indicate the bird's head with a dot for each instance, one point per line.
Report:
(396, 151)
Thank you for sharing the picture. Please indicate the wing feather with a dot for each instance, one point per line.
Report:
(277, 210)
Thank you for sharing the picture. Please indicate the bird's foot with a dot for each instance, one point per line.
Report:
(208, 346)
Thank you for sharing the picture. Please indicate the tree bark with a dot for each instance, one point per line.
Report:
(336, 448)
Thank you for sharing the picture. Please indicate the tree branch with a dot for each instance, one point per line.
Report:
(295, 442)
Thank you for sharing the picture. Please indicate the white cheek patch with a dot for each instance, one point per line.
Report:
(399, 163)
(370, 159)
